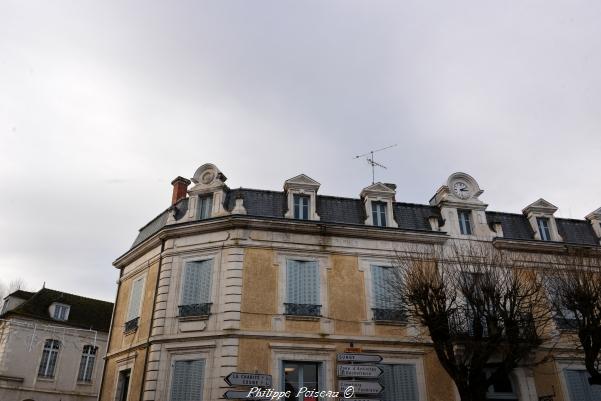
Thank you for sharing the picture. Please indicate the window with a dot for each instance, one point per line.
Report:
(86, 366)
(123, 385)
(579, 387)
(205, 204)
(298, 375)
(543, 228)
(135, 302)
(301, 207)
(196, 289)
(378, 213)
(465, 224)
(565, 319)
(399, 382)
(61, 312)
(49, 357)
(501, 389)
(385, 307)
(302, 288)
(186, 383)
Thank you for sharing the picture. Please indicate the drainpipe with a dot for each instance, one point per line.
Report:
(154, 302)
(108, 343)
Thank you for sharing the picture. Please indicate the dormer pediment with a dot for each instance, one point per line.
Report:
(301, 181)
(541, 206)
(207, 178)
(378, 190)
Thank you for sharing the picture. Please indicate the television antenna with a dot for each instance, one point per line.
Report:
(369, 157)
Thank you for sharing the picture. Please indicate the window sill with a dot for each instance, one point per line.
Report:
(390, 322)
(193, 318)
(303, 318)
(45, 379)
(84, 383)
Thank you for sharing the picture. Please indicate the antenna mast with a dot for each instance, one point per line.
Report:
(369, 157)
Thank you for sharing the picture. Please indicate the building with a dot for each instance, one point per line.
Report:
(279, 282)
(51, 346)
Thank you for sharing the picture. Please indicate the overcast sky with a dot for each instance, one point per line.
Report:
(103, 103)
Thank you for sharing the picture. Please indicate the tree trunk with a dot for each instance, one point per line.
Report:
(470, 394)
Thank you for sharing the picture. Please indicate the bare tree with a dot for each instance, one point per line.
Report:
(484, 310)
(574, 283)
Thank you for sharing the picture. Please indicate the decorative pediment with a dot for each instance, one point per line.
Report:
(378, 190)
(207, 177)
(541, 206)
(301, 181)
(460, 190)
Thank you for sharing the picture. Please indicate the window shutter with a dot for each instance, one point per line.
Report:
(405, 382)
(386, 380)
(302, 282)
(187, 380)
(197, 283)
(293, 281)
(381, 280)
(135, 299)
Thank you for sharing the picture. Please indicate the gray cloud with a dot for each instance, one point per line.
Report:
(103, 103)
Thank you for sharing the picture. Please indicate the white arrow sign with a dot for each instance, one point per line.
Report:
(361, 358)
(359, 371)
(360, 387)
(248, 379)
(242, 395)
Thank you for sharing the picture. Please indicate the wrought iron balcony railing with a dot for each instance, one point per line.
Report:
(389, 315)
(131, 325)
(196, 310)
(302, 309)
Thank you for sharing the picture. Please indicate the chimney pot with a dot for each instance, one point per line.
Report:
(180, 189)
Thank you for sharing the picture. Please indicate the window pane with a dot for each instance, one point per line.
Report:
(187, 380)
(382, 278)
(205, 206)
(135, 299)
(399, 382)
(302, 282)
(300, 374)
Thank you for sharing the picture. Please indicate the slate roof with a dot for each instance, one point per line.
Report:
(21, 294)
(85, 313)
(413, 217)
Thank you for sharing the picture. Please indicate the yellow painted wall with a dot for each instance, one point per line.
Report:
(259, 289)
(346, 289)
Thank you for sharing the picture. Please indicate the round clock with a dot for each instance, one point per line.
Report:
(461, 190)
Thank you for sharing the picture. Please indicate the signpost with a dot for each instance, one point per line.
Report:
(241, 395)
(358, 358)
(360, 387)
(248, 379)
(359, 371)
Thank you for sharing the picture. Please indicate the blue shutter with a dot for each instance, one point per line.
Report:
(135, 299)
(382, 279)
(197, 282)
(186, 384)
(302, 282)
(399, 382)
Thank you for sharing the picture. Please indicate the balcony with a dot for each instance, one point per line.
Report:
(131, 325)
(302, 310)
(389, 315)
(195, 310)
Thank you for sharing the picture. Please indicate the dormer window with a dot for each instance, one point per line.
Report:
(205, 204)
(301, 198)
(60, 312)
(543, 228)
(301, 207)
(378, 212)
(465, 221)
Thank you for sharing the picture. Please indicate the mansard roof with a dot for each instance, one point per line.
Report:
(85, 313)
(408, 216)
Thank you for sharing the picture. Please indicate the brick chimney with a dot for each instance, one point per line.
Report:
(180, 189)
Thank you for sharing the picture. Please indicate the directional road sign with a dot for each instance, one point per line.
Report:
(241, 395)
(360, 387)
(360, 358)
(359, 371)
(248, 379)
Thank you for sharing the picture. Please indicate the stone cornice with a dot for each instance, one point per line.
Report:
(281, 225)
(541, 246)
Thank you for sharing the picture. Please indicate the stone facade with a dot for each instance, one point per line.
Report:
(249, 328)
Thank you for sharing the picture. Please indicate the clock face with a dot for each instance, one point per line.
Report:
(461, 190)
